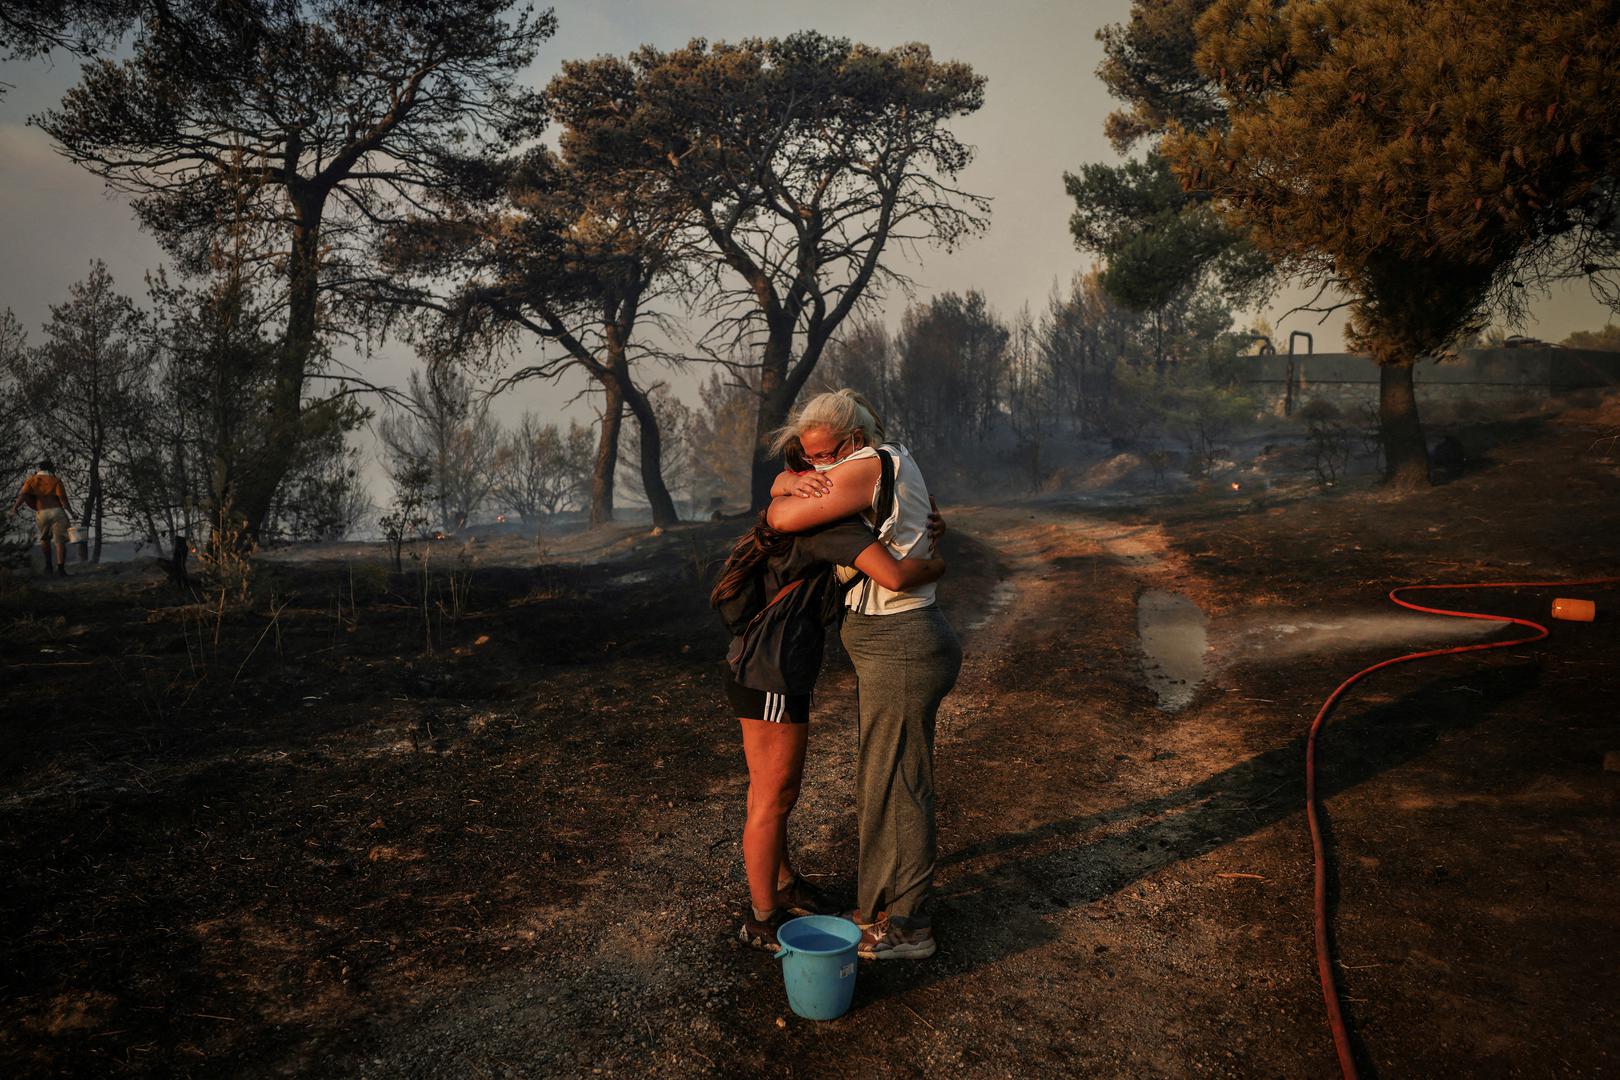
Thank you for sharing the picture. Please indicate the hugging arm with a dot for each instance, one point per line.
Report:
(851, 493)
(897, 574)
(806, 485)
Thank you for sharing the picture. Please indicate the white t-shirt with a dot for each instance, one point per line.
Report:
(904, 532)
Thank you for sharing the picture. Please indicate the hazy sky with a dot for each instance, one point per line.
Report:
(1043, 113)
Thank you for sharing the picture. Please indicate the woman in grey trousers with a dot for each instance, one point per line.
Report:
(906, 659)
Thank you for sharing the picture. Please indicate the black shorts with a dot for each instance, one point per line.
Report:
(758, 705)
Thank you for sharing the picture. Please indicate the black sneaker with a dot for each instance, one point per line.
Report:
(761, 933)
(803, 898)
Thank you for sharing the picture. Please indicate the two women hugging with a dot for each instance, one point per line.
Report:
(850, 538)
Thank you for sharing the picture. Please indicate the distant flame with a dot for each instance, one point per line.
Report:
(500, 519)
(1236, 486)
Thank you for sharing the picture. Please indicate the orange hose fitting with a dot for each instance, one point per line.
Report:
(1573, 610)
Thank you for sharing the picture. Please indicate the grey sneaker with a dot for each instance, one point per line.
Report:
(882, 940)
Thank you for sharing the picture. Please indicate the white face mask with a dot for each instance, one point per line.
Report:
(840, 461)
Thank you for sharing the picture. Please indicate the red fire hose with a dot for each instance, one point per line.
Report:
(1324, 961)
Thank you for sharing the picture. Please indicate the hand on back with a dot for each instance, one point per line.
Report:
(810, 485)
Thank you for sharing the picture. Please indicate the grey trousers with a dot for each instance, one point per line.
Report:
(905, 664)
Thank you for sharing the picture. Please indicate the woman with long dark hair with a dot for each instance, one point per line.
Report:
(791, 574)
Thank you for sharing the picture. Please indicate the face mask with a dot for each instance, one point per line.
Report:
(840, 461)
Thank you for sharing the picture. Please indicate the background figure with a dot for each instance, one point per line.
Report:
(44, 494)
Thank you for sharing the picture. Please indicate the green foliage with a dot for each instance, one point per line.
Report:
(794, 161)
(1148, 64)
(323, 496)
(1434, 153)
(1197, 403)
(1156, 240)
(208, 437)
(1203, 415)
(277, 138)
(1424, 158)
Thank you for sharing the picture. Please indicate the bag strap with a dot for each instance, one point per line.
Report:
(780, 594)
(882, 507)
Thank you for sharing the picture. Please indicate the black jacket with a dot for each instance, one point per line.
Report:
(780, 650)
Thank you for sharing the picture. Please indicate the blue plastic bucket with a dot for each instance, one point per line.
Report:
(818, 964)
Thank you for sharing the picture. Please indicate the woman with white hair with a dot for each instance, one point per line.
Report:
(906, 659)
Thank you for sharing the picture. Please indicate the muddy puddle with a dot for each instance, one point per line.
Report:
(1174, 634)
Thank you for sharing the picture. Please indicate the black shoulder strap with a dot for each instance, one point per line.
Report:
(882, 507)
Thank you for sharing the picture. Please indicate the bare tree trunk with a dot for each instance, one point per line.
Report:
(284, 427)
(776, 400)
(652, 472)
(101, 506)
(607, 454)
(1406, 455)
(91, 511)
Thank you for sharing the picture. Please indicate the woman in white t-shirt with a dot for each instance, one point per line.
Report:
(906, 659)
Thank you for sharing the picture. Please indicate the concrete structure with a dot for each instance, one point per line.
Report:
(1503, 377)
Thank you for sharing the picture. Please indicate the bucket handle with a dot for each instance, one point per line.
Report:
(783, 949)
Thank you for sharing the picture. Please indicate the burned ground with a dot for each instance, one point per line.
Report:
(495, 833)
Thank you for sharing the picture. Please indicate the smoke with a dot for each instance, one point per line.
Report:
(1289, 635)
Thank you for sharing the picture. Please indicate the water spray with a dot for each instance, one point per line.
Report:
(1568, 609)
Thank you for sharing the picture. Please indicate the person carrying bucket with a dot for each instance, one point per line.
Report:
(44, 494)
(776, 592)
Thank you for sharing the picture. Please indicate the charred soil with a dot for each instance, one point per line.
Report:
(482, 819)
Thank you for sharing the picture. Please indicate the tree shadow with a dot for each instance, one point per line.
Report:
(997, 910)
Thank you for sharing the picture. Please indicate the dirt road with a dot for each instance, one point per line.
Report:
(517, 855)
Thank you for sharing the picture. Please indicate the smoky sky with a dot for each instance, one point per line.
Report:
(1043, 114)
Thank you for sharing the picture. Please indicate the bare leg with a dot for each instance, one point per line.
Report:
(61, 556)
(775, 754)
(45, 546)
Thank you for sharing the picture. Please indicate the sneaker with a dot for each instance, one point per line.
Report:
(761, 933)
(803, 898)
(882, 940)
